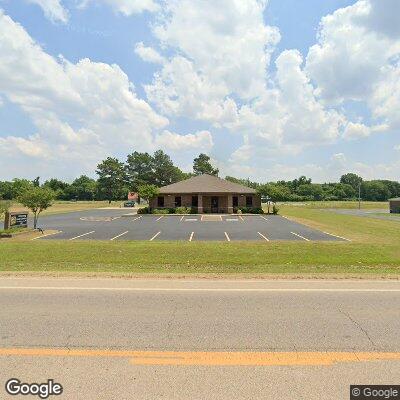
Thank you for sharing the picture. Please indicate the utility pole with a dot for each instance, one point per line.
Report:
(359, 195)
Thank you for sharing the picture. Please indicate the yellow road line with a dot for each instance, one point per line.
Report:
(210, 358)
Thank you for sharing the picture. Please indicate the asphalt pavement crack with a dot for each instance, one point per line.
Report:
(364, 331)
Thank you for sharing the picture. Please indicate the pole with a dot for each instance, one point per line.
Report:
(359, 195)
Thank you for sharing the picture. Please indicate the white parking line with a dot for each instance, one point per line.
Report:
(301, 237)
(182, 217)
(232, 219)
(340, 237)
(155, 236)
(264, 237)
(241, 217)
(134, 219)
(191, 237)
(162, 216)
(227, 237)
(190, 219)
(263, 217)
(84, 234)
(121, 234)
(47, 234)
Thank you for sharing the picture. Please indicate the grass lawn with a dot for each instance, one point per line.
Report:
(60, 207)
(341, 204)
(374, 250)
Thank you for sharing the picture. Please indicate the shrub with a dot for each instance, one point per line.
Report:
(144, 210)
(251, 210)
(275, 209)
(171, 210)
(160, 211)
(183, 210)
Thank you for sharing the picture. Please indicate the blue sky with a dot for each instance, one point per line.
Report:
(270, 89)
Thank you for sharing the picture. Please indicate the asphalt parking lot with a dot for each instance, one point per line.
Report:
(124, 225)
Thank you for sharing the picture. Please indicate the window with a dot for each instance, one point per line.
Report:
(160, 201)
(195, 201)
(249, 201)
(178, 201)
(235, 201)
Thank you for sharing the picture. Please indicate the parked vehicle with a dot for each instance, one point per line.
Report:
(129, 203)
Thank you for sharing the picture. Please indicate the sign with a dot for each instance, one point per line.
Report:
(16, 220)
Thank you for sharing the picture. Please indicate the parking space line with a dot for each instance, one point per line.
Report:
(134, 219)
(241, 217)
(264, 237)
(162, 216)
(191, 237)
(263, 217)
(201, 218)
(340, 237)
(182, 217)
(47, 234)
(155, 236)
(84, 234)
(227, 237)
(301, 237)
(121, 234)
(231, 220)
(190, 219)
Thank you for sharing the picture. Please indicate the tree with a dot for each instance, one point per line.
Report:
(351, 179)
(60, 188)
(20, 186)
(139, 170)
(111, 182)
(164, 170)
(4, 207)
(202, 165)
(148, 192)
(374, 191)
(37, 199)
(83, 188)
(6, 190)
(36, 181)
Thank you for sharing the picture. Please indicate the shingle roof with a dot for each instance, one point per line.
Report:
(206, 184)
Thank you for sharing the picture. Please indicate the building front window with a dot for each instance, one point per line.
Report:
(235, 201)
(178, 201)
(195, 201)
(249, 201)
(160, 201)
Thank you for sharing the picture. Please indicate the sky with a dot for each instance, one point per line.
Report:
(271, 90)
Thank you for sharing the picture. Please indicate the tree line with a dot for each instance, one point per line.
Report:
(116, 178)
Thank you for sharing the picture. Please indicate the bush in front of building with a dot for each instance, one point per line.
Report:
(249, 210)
(161, 211)
(143, 210)
(275, 209)
(183, 210)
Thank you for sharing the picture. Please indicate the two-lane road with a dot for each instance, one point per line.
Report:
(150, 339)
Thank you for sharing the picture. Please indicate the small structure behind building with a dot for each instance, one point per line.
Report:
(394, 205)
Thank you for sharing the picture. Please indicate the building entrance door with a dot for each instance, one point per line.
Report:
(214, 204)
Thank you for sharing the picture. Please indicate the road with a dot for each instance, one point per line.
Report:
(170, 339)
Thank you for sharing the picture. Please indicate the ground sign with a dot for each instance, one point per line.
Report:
(16, 220)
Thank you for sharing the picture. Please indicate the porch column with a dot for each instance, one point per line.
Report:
(200, 204)
(230, 204)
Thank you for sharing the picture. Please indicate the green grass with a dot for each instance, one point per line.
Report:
(341, 204)
(374, 250)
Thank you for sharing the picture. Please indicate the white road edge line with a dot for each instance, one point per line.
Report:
(162, 216)
(301, 237)
(121, 234)
(340, 237)
(264, 237)
(227, 237)
(134, 219)
(84, 234)
(155, 236)
(191, 237)
(47, 234)
(138, 289)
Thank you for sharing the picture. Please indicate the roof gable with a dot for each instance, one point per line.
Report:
(205, 184)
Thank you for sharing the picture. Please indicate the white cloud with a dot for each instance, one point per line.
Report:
(82, 111)
(53, 10)
(148, 54)
(397, 147)
(126, 7)
(199, 141)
